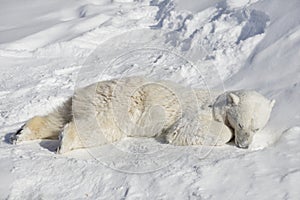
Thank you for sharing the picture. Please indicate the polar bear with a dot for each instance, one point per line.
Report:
(246, 112)
(108, 111)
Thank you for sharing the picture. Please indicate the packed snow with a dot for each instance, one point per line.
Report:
(50, 48)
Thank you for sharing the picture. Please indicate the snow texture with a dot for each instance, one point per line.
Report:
(49, 48)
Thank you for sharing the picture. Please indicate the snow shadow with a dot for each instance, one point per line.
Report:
(7, 137)
(255, 25)
(50, 145)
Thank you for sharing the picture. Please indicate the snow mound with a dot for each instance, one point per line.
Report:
(49, 48)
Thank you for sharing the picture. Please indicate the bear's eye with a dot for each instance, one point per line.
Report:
(240, 126)
(255, 130)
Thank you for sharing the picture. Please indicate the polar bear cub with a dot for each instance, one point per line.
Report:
(108, 111)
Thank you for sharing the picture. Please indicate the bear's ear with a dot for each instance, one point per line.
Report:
(234, 98)
(272, 103)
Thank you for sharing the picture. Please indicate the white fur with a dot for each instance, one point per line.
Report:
(246, 112)
(108, 111)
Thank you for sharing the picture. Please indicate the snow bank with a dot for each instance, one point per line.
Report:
(49, 48)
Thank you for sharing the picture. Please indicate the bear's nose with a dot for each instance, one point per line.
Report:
(242, 145)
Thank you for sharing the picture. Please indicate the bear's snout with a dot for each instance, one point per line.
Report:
(243, 139)
(242, 145)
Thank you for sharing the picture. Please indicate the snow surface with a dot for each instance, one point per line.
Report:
(49, 48)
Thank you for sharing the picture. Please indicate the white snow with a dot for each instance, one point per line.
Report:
(49, 48)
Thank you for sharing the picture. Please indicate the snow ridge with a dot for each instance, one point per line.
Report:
(48, 48)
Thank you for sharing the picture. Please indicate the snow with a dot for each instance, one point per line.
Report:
(47, 49)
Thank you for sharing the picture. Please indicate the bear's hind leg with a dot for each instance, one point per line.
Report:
(45, 127)
(69, 139)
(35, 128)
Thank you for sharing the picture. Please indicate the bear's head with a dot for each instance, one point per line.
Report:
(247, 112)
